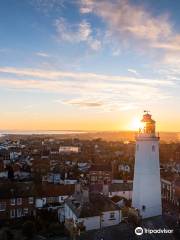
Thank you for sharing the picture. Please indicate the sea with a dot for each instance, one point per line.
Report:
(39, 132)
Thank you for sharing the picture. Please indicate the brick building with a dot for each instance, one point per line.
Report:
(17, 200)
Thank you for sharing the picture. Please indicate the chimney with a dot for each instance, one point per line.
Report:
(105, 189)
(85, 195)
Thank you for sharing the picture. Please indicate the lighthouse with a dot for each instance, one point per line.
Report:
(146, 185)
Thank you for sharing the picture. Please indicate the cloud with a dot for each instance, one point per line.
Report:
(80, 76)
(30, 84)
(104, 104)
(28, 106)
(91, 90)
(86, 6)
(89, 103)
(73, 33)
(133, 71)
(76, 33)
(125, 18)
(42, 54)
(133, 26)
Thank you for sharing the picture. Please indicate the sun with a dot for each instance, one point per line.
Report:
(135, 124)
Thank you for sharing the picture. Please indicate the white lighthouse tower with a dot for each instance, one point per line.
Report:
(147, 186)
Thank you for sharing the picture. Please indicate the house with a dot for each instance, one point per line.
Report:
(100, 174)
(17, 200)
(121, 189)
(88, 211)
(52, 178)
(170, 189)
(68, 149)
(51, 195)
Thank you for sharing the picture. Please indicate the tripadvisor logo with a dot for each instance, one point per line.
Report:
(140, 231)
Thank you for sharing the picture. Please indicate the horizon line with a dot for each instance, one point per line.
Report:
(77, 130)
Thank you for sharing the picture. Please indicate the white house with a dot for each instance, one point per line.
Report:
(91, 211)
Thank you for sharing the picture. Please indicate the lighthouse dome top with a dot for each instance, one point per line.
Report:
(147, 117)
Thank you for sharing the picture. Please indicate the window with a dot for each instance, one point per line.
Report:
(19, 201)
(153, 148)
(93, 178)
(2, 206)
(112, 215)
(143, 208)
(13, 201)
(52, 199)
(12, 213)
(25, 211)
(19, 212)
(31, 200)
(62, 198)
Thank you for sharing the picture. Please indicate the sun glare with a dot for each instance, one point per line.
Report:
(135, 124)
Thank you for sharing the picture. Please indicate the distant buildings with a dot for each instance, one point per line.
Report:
(100, 174)
(68, 149)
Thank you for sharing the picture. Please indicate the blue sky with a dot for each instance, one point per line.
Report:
(88, 64)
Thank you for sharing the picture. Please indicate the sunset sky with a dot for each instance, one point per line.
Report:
(89, 64)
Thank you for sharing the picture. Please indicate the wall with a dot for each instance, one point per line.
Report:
(146, 185)
(91, 222)
(107, 221)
